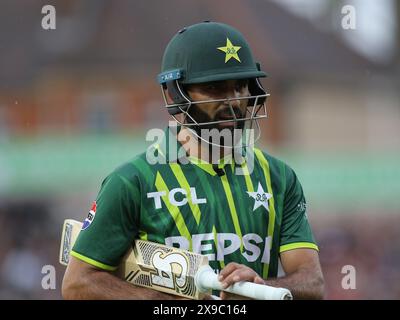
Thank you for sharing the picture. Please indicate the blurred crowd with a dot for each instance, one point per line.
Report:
(370, 244)
(28, 242)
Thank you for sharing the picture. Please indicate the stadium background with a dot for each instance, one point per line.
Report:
(76, 102)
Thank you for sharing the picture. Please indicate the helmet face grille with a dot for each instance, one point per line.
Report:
(208, 52)
(254, 112)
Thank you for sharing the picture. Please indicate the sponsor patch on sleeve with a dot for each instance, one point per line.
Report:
(92, 213)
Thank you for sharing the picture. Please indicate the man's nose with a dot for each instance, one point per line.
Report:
(232, 96)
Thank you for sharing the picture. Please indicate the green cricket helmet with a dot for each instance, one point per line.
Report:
(208, 52)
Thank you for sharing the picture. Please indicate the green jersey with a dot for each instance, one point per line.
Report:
(248, 218)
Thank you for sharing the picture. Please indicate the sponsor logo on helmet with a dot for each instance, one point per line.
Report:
(230, 50)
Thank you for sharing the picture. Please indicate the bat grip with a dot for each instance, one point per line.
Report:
(206, 279)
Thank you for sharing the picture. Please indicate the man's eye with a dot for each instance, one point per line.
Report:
(212, 87)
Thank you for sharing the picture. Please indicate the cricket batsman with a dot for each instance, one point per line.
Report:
(203, 186)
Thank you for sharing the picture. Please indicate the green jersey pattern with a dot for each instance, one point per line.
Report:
(248, 219)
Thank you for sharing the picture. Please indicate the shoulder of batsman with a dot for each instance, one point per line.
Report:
(275, 164)
(131, 168)
(263, 155)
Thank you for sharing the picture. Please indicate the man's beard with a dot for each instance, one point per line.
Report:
(217, 135)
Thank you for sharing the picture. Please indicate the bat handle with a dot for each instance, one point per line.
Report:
(206, 279)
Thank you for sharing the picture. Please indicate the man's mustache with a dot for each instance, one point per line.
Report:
(227, 114)
(224, 114)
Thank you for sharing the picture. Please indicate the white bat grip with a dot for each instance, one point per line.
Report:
(206, 279)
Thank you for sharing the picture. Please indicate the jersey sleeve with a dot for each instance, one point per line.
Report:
(114, 226)
(295, 230)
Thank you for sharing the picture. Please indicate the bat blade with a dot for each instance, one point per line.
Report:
(149, 264)
(171, 270)
(70, 232)
(162, 268)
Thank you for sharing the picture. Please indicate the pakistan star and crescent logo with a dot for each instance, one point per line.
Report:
(230, 50)
(261, 197)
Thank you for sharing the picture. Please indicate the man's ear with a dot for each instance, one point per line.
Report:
(170, 94)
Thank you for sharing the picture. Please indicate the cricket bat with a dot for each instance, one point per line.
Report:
(171, 270)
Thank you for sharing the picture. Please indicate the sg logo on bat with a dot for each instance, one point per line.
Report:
(171, 269)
